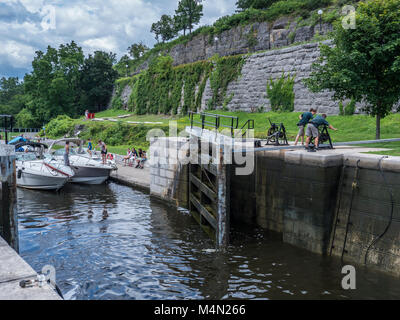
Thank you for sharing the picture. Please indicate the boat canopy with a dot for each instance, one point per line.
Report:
(17, 140)
(78, 142)
(30, 144)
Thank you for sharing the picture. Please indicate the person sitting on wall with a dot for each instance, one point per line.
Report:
(134, 156)
(141, 159)
(304, 120)
(313, 132)
(128, 156)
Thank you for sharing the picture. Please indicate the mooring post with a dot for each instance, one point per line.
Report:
(8, 195)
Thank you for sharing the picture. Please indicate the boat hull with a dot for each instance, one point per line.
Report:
(38, 182)
(92, 176)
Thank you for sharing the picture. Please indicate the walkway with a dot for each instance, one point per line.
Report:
(14, 269)
(138, 178)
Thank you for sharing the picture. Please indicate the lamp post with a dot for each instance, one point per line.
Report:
(320, 12)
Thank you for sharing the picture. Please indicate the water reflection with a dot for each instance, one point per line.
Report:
(112, 242)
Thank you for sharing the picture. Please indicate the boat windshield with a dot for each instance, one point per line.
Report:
(60, 152)
(26, 157)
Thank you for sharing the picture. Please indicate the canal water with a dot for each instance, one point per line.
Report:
(113, 242)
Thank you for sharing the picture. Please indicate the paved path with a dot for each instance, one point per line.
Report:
(13, 269)
(138, 178)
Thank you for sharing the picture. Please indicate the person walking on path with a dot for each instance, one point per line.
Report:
(304, 120)
(313, 132)
(66, 154)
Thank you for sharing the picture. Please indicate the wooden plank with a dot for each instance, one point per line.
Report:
(203, 211)
(203, 188)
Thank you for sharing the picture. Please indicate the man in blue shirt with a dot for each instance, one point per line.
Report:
(304, 120)
(313, 132)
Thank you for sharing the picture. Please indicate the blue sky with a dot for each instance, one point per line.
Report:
(110, 25)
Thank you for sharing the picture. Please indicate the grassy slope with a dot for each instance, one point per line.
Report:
(351, 128)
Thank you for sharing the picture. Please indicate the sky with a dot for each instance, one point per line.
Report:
(109, 25)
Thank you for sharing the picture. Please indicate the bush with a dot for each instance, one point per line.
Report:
(281, 94)
(60, 126)
(350, 108)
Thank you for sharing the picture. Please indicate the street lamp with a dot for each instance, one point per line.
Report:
(320, 12)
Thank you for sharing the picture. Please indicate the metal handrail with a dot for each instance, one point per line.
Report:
(250, 126)
(215, 123)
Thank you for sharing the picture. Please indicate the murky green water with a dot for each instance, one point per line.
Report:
(112, 242)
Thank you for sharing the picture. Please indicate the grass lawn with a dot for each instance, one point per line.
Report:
(351, 128)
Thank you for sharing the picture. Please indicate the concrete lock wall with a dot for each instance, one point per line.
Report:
(301, 197)
(8, 193)
(319, 201)
(169, 177)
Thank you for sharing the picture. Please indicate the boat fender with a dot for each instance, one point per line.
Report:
(19, 174)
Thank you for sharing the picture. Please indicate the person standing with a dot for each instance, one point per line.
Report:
(304, 120)
(66, 154)
(313, 132)
(90, 147)
(103, 149)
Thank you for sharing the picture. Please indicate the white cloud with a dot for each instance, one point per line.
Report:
(110, 25)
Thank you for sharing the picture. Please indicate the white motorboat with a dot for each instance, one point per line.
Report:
(39, 174)
(87, 170)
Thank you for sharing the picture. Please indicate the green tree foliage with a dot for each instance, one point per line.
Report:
(137, 50)
(188, 14)
(164, 29)
(53, 85)
(25, 119)
(97, 80)
(12, 98)
(280, 93)
(364, 62)
(256, 4)
(123, 66)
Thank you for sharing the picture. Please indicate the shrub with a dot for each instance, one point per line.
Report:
(281, 94)
(350, 108)
(60, 126)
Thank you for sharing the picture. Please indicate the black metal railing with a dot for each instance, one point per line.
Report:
(214, 121)
(249, 125)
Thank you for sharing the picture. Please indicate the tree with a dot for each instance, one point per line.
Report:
(180, 22)
(156, 29)
(97, 80)
(137, 50)
(364, 63)
(9, 88)
(188, 14)
(123, 66)
(167, 28)
(12, 98)
(53, 85)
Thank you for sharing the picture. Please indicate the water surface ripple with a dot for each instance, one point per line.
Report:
(113, 242)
